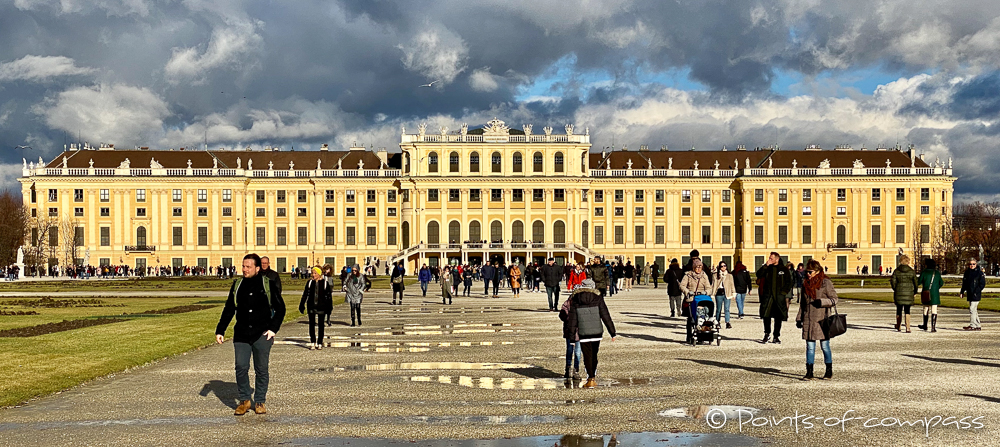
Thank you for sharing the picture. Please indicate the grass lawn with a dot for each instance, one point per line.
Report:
(39, 365)
(380, 283)
(991, 301)
(883, 281)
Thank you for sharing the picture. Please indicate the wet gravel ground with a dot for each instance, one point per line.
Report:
(478, 380)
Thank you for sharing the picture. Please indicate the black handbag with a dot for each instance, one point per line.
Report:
(834, 325)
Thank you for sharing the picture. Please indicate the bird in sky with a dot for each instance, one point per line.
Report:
(429, 85)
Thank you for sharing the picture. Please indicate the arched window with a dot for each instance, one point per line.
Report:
(585, 233)
(559, 232)
(475, 232)
(496, 231)
(559, 162)
(454, 232)
(497, 161)
(433, 233)
(406, 235)
(518, 160)
(841, 234)
(453, 162)
(474, 162)
(538, 231)
(140, 236)
(537, 162)
(432, 162)
(517, 231)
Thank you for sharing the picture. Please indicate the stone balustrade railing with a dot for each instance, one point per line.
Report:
(769, 172)
(213, 172)
(429, 138)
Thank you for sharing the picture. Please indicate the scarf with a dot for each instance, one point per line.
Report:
(813, 283)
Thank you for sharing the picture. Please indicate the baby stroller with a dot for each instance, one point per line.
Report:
(701, 321)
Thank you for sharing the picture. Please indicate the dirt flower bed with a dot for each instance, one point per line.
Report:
(49, 328)
(53, 303)
(176, 310)
(17, 312)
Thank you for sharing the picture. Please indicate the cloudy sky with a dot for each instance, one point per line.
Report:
(688, 73)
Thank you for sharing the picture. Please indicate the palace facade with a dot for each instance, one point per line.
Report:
(488, 193)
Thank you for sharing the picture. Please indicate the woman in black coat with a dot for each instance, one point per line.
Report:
(588, 315)
(318, 300)
(398, 272)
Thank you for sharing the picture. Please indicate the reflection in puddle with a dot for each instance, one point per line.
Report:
(428, 366)
(524, 383)
(441, 310)
(459, 324)
(435, 332)
(386, 346)
(700, 411)
(612, 440)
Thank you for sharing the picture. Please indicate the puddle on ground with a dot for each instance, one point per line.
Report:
(435, 332)
(612, 440)
(457, 324)
(442, 310)
(701, 411)
(525, 383)
(428, 366)
(410, 346)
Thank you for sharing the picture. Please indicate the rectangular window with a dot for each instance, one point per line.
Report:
(370, 196)
(841, 194)
(53, 195)
(331, 235)
(900, 234)
(351, 237)
(619, 211)
(227, 236)
(559, 195)
(782, 210)
(282, 238)
(727, 196)
(900, 210)
(686, 211)
(349, 194)
(900, 193)
(330, 212)
(758, 235)
(758, 211)
(782, 195)
(53, 212)
(178, 211)
(105, 237)
(599, 195)
(659, 234)
(876, 194)
(227, 195)
(876, 234)
(474, 195)
(727, 212)
(841, 210)
(660, 212)
(924, 209)
(619, 234)
(301, 212)
(496, 195)
(105, 196)
(685, 234)
(391, 236)
(202, 195)
(390, 196)
(202, 236)
(349, 211)
(599, 211)
(432, 195)
(78, 212)
(758, 195)
(302, 196)
(640, 235)
(53, 236)
(640, 195)
(706, 195)
(925, 193)
(330, 195)
(517, 195)
(282, 196)
(176, 195)
(619, 195)
(659, 195)
(640, 211)
(599, 234)
(925, 234)
(281, 212)
(782, 234)
(303, 236)
(105, 212)
(202, 211)
(807, 211)
(370, 211)
(538, 195)
(686, 196)
(391, 212)
(178, 236)
(77, 195)
(876, 210)
(259, 212)
(807, 195)
(706, 234)
(259, 196)
(583, 195)
(706, 211)
(727, 234)
(261, 236)
(78, 236)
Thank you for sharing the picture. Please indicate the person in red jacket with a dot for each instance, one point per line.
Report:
(576, 276)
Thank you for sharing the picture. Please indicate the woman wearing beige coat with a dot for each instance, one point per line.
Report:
(695, 282)
(724, 290)
(820, 297)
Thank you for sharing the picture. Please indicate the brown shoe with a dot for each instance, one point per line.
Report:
(242, 408)
(259, 408)
(591, 382)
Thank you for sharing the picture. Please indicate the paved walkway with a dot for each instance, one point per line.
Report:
(490, 368)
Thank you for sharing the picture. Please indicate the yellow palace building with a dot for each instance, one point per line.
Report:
(490, 193)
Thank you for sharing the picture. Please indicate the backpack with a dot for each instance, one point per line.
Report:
(267, 290)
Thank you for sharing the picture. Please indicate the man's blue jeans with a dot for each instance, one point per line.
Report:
(811, 351)
(573, 354)
(740, 298)
(260, 350)
(553, 294)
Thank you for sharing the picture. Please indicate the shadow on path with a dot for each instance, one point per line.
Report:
(656, 325)
(535, 372)
(226, 392)
(765, 371)
(953, 361)
(651, 338)
(995, 400)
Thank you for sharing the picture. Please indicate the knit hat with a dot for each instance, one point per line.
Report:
(588, 284)
(695, 263)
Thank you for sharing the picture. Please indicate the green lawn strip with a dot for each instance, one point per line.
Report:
(380, 283)
(57, 314)
(947, 300)
(883, 281)
(45, 364)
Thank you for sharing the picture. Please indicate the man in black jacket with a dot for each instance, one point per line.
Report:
(973, 283)
(273, 276)
(488, 272)
(672, 278)
(776, 282)
(259, 310)
(551, 275)
(654, 272)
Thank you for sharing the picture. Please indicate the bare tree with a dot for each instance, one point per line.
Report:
(69, 242)
(12, 226)
(920, 243)
(43, 243)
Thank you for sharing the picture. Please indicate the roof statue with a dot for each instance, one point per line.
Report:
(465, 128)
(888, 163)
(937, 162)
(125, 164)
(748, 163)
(319, 164)
(630, 163)
(949, 162)
(215, 163)
(527, 129)
(91, 163)
(569, 129)
(402, 129)
(670, 163)
(40, 161)
(795, 163)
(361, 164)
(825, 164)
(444, 130)
(913, 161)
(495, 127)
(422, 128)
(696, 165)
(586, 131)
(189, 163)
(65, 162)
(340, 163)
(770, 162)
(858, 164)
(270, 165)
(153, 164)
(548, 130)
(736, 163)
(716, 165)
(291, 165)
(31, 165)
(24, 163)
(239, 164)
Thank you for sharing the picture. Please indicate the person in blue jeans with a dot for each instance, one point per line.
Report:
(744, 285)
(551, 275)
(424, 276)
(725, 290)
(820, 297)
(573, 350)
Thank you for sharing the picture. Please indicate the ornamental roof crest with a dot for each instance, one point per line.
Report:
(496, 127)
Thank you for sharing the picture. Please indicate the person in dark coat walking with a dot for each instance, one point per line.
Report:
(904, 286)
(588, 315)
(820, 297)
(573, 351)
(744, 285)
(654, 273)
(930, 280)
(672, 278)
(551, 275)
(488, 271)
(272, 276)
(398, 272)
(253, 335)
(424, 276)
(317, 299)
(973, 283)
(775, 281)
(599, 274)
